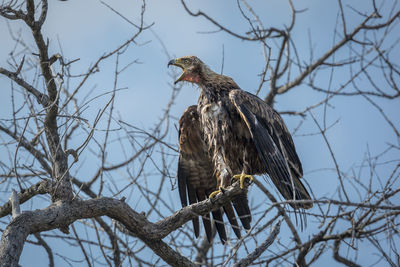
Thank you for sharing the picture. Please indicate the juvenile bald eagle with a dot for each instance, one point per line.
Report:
(232, 134)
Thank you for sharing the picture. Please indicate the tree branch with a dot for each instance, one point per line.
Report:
(41, 98)
(62, 214)
(287, 86)
(261, 248)
(41, 188)
(339, 258)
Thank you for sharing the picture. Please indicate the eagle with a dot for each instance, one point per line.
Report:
(232, 134)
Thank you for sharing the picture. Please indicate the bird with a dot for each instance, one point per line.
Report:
(232, 134)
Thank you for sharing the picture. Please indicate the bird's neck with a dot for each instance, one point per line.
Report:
(214, 83)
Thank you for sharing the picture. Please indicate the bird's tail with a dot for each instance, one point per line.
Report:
(294, 190)
(241, 204)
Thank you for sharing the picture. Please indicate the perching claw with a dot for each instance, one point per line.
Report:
(242, 177)
(213, 194)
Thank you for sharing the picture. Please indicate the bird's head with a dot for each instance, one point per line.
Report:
(194, 70)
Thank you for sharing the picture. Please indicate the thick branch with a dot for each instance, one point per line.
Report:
(41, 188)
(62, 214)
(62, 190)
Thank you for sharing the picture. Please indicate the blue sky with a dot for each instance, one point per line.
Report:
(88, 29)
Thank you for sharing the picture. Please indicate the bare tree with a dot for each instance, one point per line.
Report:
(122, 212)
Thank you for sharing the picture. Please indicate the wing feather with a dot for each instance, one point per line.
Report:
(274, 145)
(182, 182)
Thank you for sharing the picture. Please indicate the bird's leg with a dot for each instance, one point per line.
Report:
(246, 169)
(222, 179)
(242, 177)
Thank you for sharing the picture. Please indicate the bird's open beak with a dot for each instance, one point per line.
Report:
(171, 62)
(176, 62)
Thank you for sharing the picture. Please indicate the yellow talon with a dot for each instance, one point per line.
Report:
(242, 178)
(213, 194)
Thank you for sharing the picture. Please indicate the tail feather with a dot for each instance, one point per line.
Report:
(219, 224)
(207, 227)
(241, 204)
(206, 218)
(196, 227)
(232, 219)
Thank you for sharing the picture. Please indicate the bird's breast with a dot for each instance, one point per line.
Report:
(211, 111)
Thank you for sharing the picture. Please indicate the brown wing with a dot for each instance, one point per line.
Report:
(196, 179)
(274, 145)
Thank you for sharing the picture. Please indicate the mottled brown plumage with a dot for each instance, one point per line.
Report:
(196, 178)
(236, 133)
